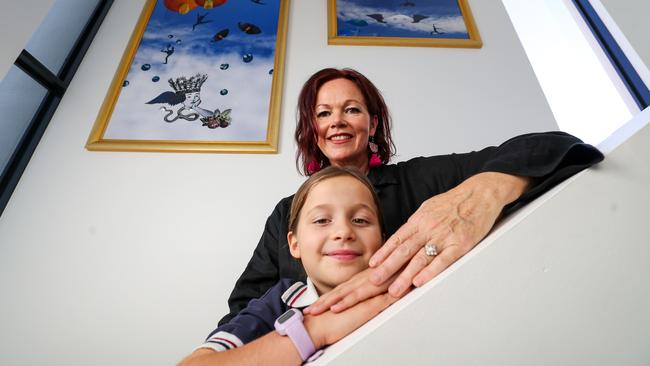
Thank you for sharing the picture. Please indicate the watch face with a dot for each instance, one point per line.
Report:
(286, 316)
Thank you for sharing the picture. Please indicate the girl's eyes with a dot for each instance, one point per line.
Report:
(360, 221)
(356, 221)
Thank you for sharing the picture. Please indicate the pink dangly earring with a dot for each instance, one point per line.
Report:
(312, 167)
(375, 161)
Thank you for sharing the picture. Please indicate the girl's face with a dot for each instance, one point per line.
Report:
(344, 124)
(337, 232)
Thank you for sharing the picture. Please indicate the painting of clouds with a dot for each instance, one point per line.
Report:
(404, 19)
(202, 71)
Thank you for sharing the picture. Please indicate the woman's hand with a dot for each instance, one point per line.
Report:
(352, 291)
(329, 327)
(455, 221)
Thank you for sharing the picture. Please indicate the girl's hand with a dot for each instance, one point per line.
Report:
(329, 327)
(353, 291)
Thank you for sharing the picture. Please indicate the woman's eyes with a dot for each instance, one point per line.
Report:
(350, 110)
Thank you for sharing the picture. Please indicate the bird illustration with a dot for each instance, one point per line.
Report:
(418, 17)
(220, 35)
(200, 20)
(377, 17)
(249, 28)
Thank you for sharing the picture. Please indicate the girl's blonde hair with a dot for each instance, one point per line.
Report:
(330, 172)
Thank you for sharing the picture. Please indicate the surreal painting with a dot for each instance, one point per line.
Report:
(433, 23)
(198, 75)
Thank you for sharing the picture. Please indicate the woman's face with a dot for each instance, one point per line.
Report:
(344, 124)
(338, 231)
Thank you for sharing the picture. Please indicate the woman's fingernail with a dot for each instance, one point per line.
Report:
(394, 289)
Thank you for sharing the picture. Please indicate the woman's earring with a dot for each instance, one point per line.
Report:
(372, 145)
(375, 161)
(313, 167)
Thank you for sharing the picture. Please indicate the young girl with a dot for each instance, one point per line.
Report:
(334, 228)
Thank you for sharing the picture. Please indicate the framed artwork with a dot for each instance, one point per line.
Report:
(198, 76)
(427, 23)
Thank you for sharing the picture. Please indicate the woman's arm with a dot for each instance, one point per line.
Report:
(481, 184)
(274, 349)
(455, 221)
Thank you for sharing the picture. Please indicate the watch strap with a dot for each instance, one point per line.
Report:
(301, 339)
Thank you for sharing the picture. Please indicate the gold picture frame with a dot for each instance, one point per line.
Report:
(418, 23)
(228, 54)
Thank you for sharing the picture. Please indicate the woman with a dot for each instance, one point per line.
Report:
(436, 209)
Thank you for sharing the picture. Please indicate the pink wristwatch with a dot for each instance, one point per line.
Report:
(290, 323)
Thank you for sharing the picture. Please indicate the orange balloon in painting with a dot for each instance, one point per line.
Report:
(209, 4)
(181, 6)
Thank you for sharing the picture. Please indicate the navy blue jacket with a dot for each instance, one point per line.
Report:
(258, 317)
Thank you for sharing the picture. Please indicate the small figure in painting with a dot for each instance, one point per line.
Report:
(200, 19)
(169, 51)
(218, 119)
(418, 17)
(188, 92)
(220, 35)
(377, 17)
(249, 28)
(436, 30)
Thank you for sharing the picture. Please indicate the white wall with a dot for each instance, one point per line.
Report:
(128, 258)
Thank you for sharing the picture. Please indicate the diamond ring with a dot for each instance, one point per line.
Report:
(431, 250)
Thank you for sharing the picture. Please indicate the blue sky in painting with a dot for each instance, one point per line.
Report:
(398, 18)
(243, 87)
(164, 23)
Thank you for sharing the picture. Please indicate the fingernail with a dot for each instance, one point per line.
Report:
(417, 282)
(306, 310)
(394, 289)
(371, 262)
(335, 308)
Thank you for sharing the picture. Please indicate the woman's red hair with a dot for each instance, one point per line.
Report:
(307, 134)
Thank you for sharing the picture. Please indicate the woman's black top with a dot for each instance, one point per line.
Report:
(547, 157)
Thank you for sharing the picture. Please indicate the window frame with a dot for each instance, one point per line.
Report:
(626, 71)
(56, 85)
